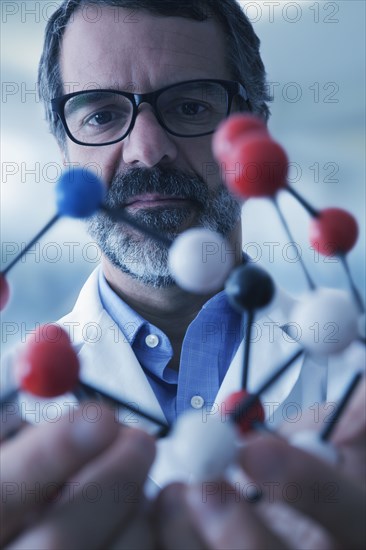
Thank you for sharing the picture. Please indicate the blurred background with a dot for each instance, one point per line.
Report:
(315, 58)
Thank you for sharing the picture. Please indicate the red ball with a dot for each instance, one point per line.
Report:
(233, 129)
(48, 368)
(256, 167)
(4, 291)
(49, 332)
(334, 231)
(253, 415)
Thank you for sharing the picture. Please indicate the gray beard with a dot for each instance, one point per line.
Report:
(138, 255)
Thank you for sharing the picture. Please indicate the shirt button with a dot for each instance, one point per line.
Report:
(197, 402)
(152, 341)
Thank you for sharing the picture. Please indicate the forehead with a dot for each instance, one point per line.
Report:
(140, 53)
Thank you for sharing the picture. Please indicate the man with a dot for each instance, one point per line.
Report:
(138, 89)
(160, 178)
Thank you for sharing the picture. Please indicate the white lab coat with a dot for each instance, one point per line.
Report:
(109, 363)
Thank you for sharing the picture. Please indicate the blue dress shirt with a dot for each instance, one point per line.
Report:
(209, 345)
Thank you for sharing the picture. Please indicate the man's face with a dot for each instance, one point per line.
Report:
(165, 181)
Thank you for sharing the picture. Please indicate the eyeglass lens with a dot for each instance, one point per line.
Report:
(187, 109)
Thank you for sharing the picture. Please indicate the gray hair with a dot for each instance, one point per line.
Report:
(242, 44)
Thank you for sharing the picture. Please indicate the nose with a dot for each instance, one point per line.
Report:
(148, 144)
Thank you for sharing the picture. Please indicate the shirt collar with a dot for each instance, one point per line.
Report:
(131, 323)
(127, 319)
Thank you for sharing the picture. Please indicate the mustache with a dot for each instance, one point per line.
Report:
(169, 182)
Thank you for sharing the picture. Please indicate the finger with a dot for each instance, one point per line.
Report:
(36, 462)
(352, 424)
(213, 515)
(225, 520)
(8, 431)
(175, 527)
(309, 485)
(108, 492)
(11, 420)
(136, 535)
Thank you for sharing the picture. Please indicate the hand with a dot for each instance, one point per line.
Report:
(75, 484)
(327, 509)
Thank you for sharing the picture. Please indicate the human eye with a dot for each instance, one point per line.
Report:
(192, 108)
(188, 108)
(94, 113)
(104, 117)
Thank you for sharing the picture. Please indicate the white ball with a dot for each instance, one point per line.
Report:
(200, 260)
(325, 322)
(203, 446)
(310, 442)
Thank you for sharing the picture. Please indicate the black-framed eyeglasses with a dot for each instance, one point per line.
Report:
(187, 109)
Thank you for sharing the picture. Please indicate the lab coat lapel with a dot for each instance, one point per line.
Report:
(111, 365)
(270, 348)
(107, 359)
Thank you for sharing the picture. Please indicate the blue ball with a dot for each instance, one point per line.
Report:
(79, 193)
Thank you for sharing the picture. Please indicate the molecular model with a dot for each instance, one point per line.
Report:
(48, 365)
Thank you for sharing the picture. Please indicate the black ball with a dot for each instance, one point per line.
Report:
(249, 288)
